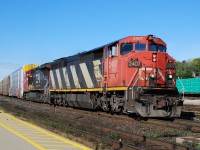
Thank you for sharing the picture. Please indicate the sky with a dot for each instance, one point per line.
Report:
(40, 31)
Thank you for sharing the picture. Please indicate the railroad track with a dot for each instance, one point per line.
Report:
(138, 141)
(184, 124)
(179, 123)
(141, 142)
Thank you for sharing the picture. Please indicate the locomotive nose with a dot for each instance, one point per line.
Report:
(157, 75)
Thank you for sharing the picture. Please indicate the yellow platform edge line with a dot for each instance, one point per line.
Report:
(23, 137)
(50, 134)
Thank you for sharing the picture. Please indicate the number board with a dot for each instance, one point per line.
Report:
(134, 64)
(171, 66)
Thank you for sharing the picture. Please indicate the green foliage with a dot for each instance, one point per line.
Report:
(183, 70)
(198, 146)
(188, 69)
(192, 144)
(114, 136)
(69, 130)
(195, 64)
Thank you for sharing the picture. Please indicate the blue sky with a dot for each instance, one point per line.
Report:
(39, 31)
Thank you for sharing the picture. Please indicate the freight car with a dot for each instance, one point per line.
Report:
(189, 86)
(17, 82)
(5, 86)
(131, 75)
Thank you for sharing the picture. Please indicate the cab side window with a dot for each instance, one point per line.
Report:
(107, 53)
(126, 48)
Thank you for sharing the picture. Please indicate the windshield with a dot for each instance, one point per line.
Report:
(140, 47)
(126, 48)
(159, 48)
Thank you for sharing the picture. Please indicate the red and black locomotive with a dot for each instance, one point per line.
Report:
(131, 75)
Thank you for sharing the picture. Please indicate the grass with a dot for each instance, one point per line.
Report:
(192, 144)
(58, 125)
(114, 136)
(70, 129)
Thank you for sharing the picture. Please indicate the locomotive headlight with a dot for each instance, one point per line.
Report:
(170, 76)
(152, 76)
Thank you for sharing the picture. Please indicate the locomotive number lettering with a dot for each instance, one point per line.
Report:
(137, 38)
(135, 64)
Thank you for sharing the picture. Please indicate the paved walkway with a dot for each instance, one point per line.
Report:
(16, 134)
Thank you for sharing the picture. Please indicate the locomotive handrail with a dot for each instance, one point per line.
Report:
(131, 82)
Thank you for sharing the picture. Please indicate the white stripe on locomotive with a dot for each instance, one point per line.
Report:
(52, 80)
(97, 70)
(74, 76)
(66, 77)
(160, 73)
(86, 75)
(59, 78)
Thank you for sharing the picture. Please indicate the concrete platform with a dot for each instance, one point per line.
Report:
(10, 141)
(20, 135)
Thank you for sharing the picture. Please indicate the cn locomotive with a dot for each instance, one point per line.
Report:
(131, 75)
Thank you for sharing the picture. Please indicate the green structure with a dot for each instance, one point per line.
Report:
(189, 85)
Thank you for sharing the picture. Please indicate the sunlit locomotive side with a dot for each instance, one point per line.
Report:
(131, 75)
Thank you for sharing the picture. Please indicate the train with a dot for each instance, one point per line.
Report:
(189, 86)
(132, 75)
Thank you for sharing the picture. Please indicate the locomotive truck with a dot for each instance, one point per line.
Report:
(131, 75)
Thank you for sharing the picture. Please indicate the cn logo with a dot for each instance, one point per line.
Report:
(142, 71)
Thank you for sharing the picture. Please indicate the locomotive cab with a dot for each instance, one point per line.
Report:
(37, 84)
(141, 66)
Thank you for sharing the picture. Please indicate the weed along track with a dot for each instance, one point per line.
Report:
(98, 130)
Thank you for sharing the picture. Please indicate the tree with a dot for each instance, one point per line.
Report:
(195, 66)
(183, 69)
